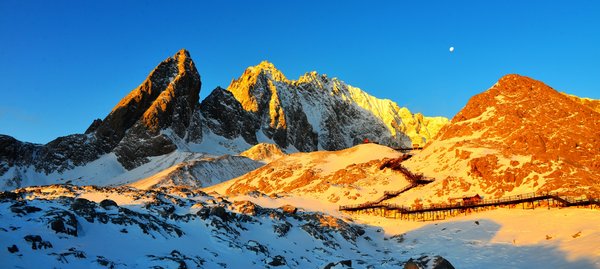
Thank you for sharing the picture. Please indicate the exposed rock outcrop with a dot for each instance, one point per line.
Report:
(263, 152)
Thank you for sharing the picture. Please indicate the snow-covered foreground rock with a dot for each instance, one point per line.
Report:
(65, 226)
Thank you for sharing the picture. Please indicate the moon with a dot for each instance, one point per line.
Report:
(451, 49)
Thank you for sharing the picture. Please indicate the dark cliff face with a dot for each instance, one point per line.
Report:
(285, 123)
(58, 155)
(227, 117)
(168, 99)
(14, 152)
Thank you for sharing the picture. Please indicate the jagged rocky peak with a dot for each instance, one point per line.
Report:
(160, 110)
(312, 77)
(255, 86)
(267, 68)
(399, 121)
(167, 98)
(311, 113)
(175, 106)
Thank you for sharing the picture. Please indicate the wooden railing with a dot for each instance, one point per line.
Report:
(514, 199)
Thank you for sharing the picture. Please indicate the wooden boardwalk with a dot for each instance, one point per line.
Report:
(442, 211)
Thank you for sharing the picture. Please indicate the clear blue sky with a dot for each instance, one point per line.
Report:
(65, 63)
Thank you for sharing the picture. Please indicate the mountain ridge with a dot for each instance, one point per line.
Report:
(277, 106)
(163, 119)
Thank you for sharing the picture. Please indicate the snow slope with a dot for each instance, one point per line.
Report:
(505, 238)
(176, 168)
(346, 176)
(199, 172)
(177, 226)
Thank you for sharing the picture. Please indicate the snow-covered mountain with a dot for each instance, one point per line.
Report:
(162, 121)
(517, 137)
(206, 171)
(312, 113)
(281, 210)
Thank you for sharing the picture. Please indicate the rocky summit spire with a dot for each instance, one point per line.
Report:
(175, 105)
(255, 87)
(167, 97)
(166, 100)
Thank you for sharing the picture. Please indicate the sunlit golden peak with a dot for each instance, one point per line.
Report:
(267, 68)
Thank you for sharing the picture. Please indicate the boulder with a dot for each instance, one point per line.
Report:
(289, 209)
(13, 249)
(436, 262)
(84, 208)
(411, 265)
(37, 242)
(340, 264)
(276, 261)
(257, 247)
(441, 263)
(220, 212)
(246, 207)
(108, 204)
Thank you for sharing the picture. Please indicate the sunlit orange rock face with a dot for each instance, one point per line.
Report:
(591, 103)
(519, 135)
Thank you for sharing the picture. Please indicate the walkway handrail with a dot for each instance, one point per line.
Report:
(514, 199)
